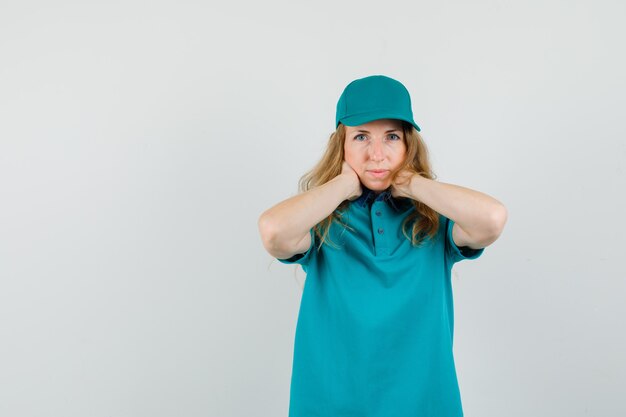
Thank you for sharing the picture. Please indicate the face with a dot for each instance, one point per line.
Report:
(375, 146)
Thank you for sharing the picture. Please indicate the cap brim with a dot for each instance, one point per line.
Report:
(361, 119)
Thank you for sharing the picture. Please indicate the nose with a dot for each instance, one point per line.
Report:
(376, 150)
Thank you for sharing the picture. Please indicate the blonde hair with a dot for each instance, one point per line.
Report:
(424, 220)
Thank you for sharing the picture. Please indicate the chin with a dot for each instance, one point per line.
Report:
(377, 186)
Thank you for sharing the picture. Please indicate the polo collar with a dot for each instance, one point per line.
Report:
(368, 196)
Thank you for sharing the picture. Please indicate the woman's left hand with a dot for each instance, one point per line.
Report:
(401, 183)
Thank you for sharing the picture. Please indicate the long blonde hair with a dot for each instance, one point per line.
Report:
(416, 161)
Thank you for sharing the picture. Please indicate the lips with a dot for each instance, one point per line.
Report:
(378, 173)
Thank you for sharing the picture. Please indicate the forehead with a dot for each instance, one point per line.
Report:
(381, 125)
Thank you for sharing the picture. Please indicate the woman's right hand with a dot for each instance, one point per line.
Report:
(351, 176)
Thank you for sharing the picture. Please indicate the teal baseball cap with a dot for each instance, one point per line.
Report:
(372, 98)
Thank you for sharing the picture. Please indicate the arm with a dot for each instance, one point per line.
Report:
(478, 218)
(285, 227)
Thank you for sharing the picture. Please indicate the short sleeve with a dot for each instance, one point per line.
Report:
(456, 253)
(302, 258)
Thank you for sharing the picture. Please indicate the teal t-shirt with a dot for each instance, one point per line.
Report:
(376, 321)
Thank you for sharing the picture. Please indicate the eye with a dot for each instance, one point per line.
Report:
(393, 134)
(357, 137)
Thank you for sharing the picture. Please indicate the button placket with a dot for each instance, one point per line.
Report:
(381, 246)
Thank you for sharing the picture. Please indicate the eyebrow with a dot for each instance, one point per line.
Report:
(365, 131)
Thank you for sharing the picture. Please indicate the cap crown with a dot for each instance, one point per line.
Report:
(372, 98)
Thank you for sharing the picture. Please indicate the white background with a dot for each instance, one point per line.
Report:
(141, 140)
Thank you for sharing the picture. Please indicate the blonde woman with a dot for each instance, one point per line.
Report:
(377, 237)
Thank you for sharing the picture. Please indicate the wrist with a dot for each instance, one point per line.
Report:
(414, 185)
(347, 184)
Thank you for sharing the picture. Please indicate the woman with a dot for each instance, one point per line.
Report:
(377, 237)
